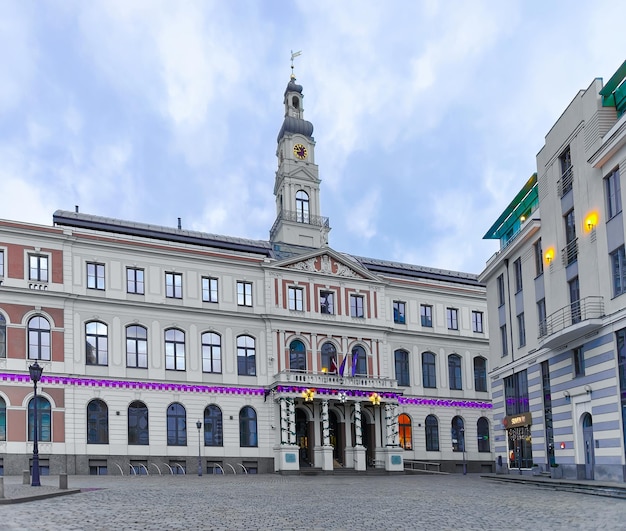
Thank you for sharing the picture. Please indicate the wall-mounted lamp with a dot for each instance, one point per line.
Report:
(549, 255)
(566, 394)
(588, 389)
(591, 221)
(522, 218)
(562, 446)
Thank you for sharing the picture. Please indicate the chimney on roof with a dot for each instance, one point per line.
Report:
(180, 226)
(76, 208)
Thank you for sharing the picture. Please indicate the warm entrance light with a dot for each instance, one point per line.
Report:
(308, 395)
(549, 255)
(591, 221)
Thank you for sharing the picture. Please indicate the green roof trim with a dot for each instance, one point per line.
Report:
(614, 92)
(526, 199)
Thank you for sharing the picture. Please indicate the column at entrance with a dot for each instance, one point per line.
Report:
(324, 453)
(355, 456)
(286, 454)
(393, 453)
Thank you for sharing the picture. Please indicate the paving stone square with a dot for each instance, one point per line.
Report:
(309, 503)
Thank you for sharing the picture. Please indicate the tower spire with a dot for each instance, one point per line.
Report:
(293, 56)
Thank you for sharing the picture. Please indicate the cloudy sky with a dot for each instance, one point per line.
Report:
(428, 114)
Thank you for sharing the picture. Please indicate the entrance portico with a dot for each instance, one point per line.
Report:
(330, 428)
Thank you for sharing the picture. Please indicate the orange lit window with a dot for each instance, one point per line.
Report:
(404, 422)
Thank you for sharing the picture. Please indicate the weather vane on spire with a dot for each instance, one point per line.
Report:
(293, 56)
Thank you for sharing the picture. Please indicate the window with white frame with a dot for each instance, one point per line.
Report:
(327, 302)
(174, 285)
(356, 306)
(477, 322)
(295, 298)
(39, 338)
(244, 293)
(137, 347)
(504, 341)
(211, 352)
(453, 318)
(426, 315)
(500, 285)
(209, 289)
(135, 280)
(38, 267)
(174, 349)
(399, 312)
(97, 343)
(1, 262)
(95, 276)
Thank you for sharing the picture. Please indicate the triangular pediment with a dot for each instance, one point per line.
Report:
(327, 262)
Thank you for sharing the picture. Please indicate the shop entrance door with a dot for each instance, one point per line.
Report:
(588, 442)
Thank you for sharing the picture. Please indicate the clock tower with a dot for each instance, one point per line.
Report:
(299, 227)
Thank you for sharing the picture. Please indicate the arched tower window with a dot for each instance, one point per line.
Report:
(482, 427)
(432, 433)
(329, 357)
(302, 206)
(359, 361)
(44, 420)
(138, 428)
(458, 434)
(247, 427)
(38, 338)
(176, 425)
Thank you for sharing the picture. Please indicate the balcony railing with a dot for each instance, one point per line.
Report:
(306, 379)
(570, 252)
(299, 217)
(564, 184)
(572, 314)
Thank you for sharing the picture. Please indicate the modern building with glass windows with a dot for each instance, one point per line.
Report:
(289, 354)
(556, 298)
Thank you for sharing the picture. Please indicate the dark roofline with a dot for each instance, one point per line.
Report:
(87, 221)
(411, 271)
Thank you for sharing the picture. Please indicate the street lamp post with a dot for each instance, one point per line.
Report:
(35, 375)
(199, 426)
(462, 430)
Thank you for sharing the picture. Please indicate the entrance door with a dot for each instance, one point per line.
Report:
(336, 436)
(588, 442)
(302, 438)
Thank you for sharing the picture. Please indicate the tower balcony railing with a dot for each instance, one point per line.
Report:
(572, 321)
(299, 217)
(564, 184)
(570, 252)
(315, 379)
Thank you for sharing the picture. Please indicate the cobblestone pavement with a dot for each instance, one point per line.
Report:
(307, 503)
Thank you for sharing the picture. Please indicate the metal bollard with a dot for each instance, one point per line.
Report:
(25, 477)
(63, 481)
(1, 487)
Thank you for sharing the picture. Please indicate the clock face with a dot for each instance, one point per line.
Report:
(299, 151)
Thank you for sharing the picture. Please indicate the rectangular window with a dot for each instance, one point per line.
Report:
(521, 328)
(574, 299)
(1, 262)
(453, 318)
(613, 194)
(426, 313)
(134, 280)
(399, 312)
(477, 322)
(578, 360)
(327, 302)
(567, 174)
(244, 293)
(571, 249)
(517, 266)
(541, 317)
(500, 282)
(356, 306)
(296, 301)
(538, 257)
(38, 268)
(174, 285)
(209, 289)
(503, 341)
(95, 276)
(618, 271)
